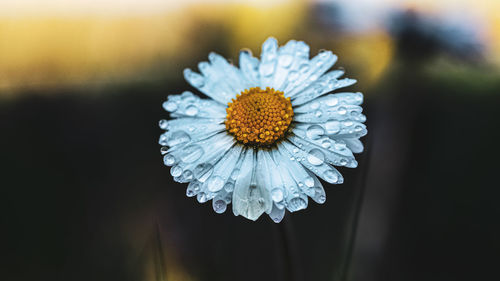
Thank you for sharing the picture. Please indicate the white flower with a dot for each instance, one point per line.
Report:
(269, 129)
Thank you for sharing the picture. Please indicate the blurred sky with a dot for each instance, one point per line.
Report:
(53, 43)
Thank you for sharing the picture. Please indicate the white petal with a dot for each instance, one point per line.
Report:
(318, 167)
(183, 130)
(325, 113)
(223, 169)
(311, 72)
(195, 160)
(249, 66)
(249, 199)
(333, 154)
(326, 84)
(317, 192)
(213, 86)
(290, 57)
(232, 75)
(327, 102)
(355, 145)
(277, 214)
(268, 60)
(189, 105)
(307, 182)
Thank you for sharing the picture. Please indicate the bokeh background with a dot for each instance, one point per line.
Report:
(85, 195)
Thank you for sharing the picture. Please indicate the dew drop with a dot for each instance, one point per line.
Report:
(191, 153)
(309, 182)
(331, 176)
(343, 161)
(296, 204)
(169, 160)
(277, 194)
(331, 100)
(314, 105)
(267, 69)
(176, 171)
(215, 184)
(285, 60)
(348, 123)
(203, 171)
(170, 106)
(195, 79)
(163, 150)
(321, 199)
(304, 68)
(342, 110)
(326, 143)
(316, 157)
(315, 132)
(219, 206)
(293, 75)
(191, 110)
(187, 175)
(229, 187)
(202, 197)
(332, 127)
(177, 138)
(235, 173)
(163, 124)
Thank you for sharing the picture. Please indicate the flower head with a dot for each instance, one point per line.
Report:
(269, 129)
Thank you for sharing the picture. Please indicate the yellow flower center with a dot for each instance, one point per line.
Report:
(259, 117)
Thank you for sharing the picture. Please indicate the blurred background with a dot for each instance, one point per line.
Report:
(85, 195)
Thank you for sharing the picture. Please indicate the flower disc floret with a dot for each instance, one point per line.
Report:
(259, 116)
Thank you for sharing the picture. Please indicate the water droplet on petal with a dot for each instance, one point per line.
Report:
(309, 182)
(314, 105)
(296, 204)
(277, 194)
(215, 184)
(321, 199)
(285, 60)
(331, 100)
(170, 106)
(348, 123)
(191, 110)
(304, 68)
(318, 113)
(176, 171)
(191, 153)
(169, 160)
(331, 176)
(342, 110)
(229, 187)
(163, 150)
(326, 143)
(163, 124)
(202, 197)
(332, 127)
(187, 175)
(203, 171)
(177, 138)
(315, 132)
(316, 157)
(235, 173)
(219, 206)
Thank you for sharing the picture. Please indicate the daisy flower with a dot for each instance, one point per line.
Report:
(266, 133)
